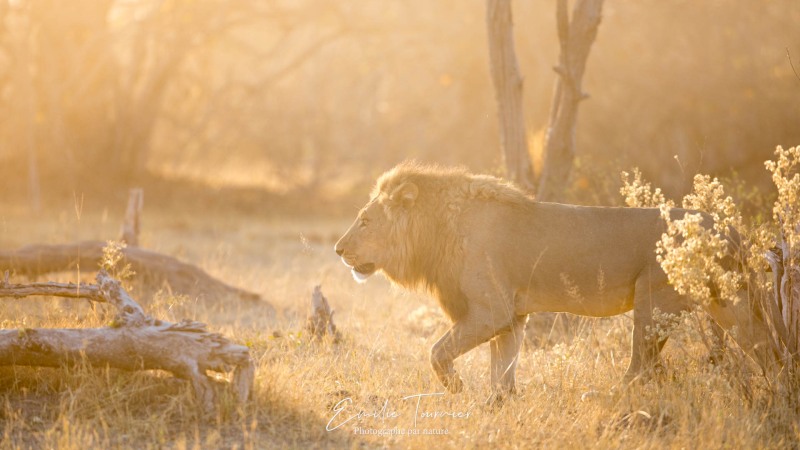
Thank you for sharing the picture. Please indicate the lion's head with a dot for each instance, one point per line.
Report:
(372, 242)
(411, 228)
(406, 231)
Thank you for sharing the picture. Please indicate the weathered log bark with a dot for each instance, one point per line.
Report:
(152, 268)
(88, 291)
(134, 342)
(508, 92)
(132, 225)
(576, 38)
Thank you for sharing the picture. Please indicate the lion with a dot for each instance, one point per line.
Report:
(491, 254)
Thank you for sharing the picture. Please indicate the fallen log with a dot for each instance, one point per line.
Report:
(134, 341)
(152, 268)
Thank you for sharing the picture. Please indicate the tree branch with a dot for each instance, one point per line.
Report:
(789, 55)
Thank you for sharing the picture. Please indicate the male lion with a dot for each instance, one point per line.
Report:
(491, 255)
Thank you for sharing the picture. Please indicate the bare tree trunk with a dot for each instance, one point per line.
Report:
(508, 92)
(576, 38)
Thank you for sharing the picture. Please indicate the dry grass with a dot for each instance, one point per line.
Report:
(569, 393)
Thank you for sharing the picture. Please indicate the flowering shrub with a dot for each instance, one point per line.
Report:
(710, 253)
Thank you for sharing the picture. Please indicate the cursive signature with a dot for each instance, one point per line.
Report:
(344, 413)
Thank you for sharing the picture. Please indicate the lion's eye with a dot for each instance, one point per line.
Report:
(364, 222)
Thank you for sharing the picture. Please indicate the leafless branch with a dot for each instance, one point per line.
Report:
(789, 55)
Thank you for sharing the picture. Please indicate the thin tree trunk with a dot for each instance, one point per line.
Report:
(576, 38)
(34, 185)
(24, 81)
(508, 92)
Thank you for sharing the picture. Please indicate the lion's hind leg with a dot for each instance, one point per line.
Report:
(748, 328)
(653, 300)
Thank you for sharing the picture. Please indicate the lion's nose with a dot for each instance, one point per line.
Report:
(339, 251)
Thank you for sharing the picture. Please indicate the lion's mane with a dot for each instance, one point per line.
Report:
(428, 241)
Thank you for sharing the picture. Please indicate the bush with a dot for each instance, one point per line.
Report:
(714, 256)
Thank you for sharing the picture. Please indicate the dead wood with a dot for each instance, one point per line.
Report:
(135, 341)
(320, 322)
(152, 268)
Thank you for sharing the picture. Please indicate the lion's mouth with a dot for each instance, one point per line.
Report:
(365, 269)
(362, 271)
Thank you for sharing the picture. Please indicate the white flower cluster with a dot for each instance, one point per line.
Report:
(638, 193)
(785, 174)
(691, 253)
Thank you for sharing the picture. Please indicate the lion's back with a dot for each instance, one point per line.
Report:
(551, 248)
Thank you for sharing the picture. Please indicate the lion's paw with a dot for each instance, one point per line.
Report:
(496, 400)
(454, 384)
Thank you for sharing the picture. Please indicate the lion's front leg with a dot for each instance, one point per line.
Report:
(462, 337)
(505, 355)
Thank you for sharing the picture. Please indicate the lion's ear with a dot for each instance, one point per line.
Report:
(405, 194)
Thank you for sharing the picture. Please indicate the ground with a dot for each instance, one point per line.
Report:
(372, 388)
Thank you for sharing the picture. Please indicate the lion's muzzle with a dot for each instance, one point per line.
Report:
(360, 271)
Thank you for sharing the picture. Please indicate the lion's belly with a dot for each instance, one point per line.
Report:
(572, 299)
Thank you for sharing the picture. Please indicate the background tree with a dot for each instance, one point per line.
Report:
(508, 92)
(317, 97)
(575, 38)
